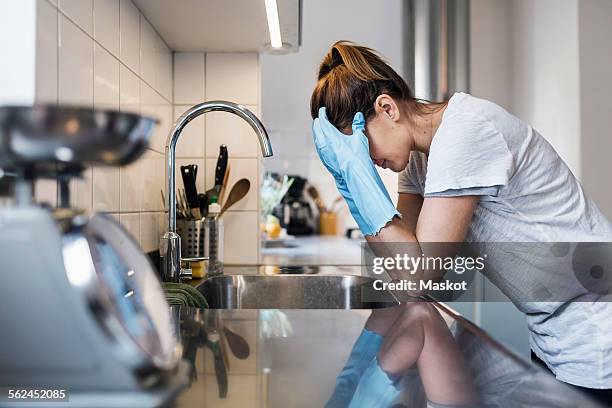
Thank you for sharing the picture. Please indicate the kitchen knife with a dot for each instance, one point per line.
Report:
(221, 167)
(203, 202)
(187, 172)
(220, 173)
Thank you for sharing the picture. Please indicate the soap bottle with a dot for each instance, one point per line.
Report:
(213, 238)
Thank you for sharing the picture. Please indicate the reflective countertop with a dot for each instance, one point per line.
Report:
(295, 356)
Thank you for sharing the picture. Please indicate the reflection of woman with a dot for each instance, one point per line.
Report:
(469, 171)
(394, 341)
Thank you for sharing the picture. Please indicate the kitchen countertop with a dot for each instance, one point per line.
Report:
(296, 355)
(312, 250)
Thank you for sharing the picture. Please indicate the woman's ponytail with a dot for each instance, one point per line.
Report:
(350, 79)
(359, 61)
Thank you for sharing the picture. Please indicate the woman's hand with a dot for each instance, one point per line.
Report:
(347, 157)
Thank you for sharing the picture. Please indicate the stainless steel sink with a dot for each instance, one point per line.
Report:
(292, 292)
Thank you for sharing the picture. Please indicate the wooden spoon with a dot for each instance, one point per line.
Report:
(237, 344)
(237, 193)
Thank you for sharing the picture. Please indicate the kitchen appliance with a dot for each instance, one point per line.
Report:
(297, 211)
(81, 307)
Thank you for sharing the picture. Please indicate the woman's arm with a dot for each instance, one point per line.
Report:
(409, 205)
(441, 219)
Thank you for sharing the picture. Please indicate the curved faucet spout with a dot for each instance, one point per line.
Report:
(170, 242)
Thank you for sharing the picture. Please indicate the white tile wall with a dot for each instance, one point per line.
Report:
(147, 51)
(106, 79)
(105, 189)
(189, 77)
(154, 105)
(192, 142)
(129, 34)
(46, 52)
(149, 231)
(129, 90)
(234, 77)
(163, 68)
(106, 24)
(223, 128)
(90, 52)
(75, 62)
(152, 176)
(241, 239)
(131, 222)
(80, 12)
(81, 190)
(130, 187)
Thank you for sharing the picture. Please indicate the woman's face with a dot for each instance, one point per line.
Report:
(388, 141)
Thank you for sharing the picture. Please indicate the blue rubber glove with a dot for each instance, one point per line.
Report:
(375, 389)
(348, 159)
(364, 351)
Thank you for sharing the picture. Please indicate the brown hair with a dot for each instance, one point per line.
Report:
(350, 79)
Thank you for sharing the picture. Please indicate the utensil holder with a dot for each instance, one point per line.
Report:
(192, 237)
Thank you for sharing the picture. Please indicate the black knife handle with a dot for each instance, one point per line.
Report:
(221, 165)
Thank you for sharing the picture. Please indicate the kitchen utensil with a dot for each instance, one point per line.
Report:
(213, 343)
(223, 187)
(183, 203)
(191, 192)
(203, 204)
(237, 344)
(220, 174)
(44, 139)
(314, 194)
(221, 168)
(237, 193)
(192, 237)
(186, 204)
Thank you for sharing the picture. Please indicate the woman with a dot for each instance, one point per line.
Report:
(469, 172)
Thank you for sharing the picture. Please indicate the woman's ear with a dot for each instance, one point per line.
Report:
(385, 105)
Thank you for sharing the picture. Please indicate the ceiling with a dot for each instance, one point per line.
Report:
(219, 25)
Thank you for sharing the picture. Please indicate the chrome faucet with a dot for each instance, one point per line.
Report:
(170, 243)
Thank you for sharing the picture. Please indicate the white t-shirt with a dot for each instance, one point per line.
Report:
(527, 194)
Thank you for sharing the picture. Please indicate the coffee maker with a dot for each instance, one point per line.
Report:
(297, 212)
(81, 307)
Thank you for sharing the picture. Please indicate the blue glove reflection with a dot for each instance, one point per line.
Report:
(363, 353)
(347, 158)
